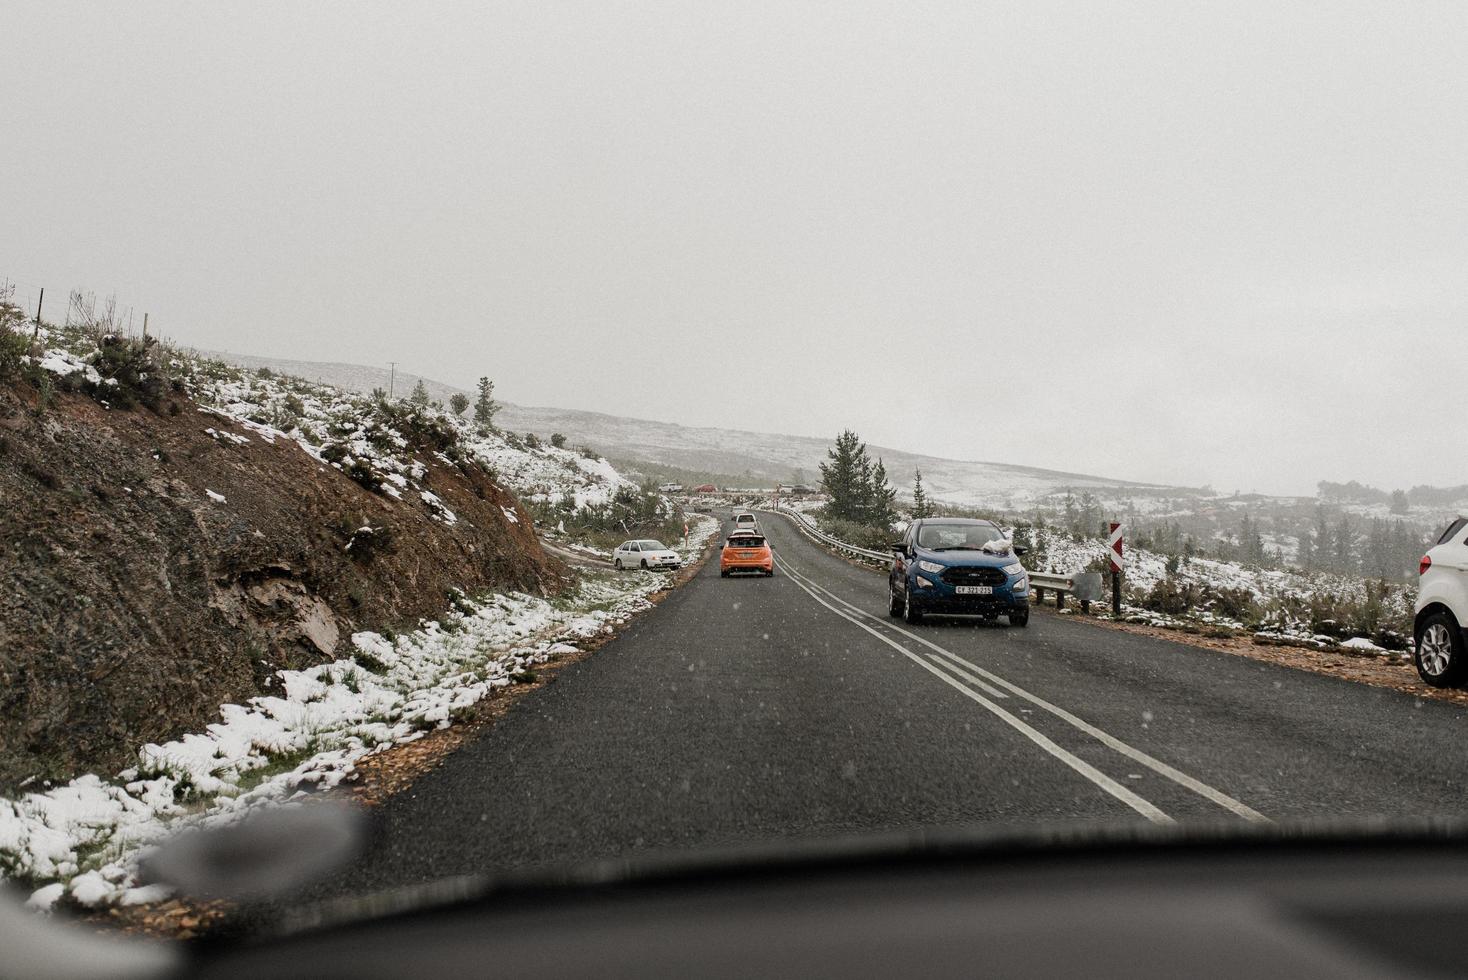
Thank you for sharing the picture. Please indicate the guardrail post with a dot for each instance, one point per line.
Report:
(1059, 599)
(1039, 595)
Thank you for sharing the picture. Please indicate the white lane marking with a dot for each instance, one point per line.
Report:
(993, 692)
(1110, 741)
(1081, 766)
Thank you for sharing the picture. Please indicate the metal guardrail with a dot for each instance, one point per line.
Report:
(1084, 586)
(816, 534)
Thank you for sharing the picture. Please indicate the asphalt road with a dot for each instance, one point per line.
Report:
(767, 709)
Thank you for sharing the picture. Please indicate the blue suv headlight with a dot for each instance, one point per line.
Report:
(931, 566)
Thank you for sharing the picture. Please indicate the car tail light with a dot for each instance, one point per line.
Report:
(1424, 565)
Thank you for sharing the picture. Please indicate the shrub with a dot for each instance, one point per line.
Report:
(532, 441)
(129, 375)
(861, 535)
(15, 346)
(558, 440)
(366, 542)
(363, 474)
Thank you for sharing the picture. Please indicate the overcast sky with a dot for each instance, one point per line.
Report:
(1189, 243)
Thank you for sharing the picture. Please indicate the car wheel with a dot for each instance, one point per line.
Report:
(618, 564)
(1440, 655)
(1019, 618)
(644, 564)
(723, 573)
(910, 611)
(769, 573)
(894, 602)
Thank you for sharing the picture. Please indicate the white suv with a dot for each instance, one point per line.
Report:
(1442, 609)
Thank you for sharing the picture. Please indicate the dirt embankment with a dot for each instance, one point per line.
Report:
(151, 571)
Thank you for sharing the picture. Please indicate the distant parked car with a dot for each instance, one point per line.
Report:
(957, 566)
(1441, 649)
(670, 488)
(706, 488)
(645, 554)
(746, 551)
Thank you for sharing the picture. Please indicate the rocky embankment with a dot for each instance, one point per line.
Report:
(159, 561)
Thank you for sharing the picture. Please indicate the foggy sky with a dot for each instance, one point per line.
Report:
(1159, 241)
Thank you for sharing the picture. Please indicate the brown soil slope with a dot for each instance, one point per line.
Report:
(132, 604)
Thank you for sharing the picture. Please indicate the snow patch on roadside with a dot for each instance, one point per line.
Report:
(82, 840)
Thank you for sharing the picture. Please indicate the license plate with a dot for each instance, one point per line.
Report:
(974, 589)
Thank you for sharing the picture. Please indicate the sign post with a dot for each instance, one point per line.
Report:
(1116, 560)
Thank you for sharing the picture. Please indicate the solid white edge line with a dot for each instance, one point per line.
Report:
(1214, 796)
(1090, 772)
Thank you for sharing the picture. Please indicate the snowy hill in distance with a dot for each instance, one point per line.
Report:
(763, 458)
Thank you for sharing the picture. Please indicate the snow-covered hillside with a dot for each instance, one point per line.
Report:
(80, 839)
(767, 457)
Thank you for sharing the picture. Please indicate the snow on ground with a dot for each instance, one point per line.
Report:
(83, 839)
(343, 430)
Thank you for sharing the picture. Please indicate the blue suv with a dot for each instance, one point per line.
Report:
(957, 566)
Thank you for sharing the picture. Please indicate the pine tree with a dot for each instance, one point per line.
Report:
(881, 507)
(419, 396)
(1324, 553)
(485, 406)
(843, 479)
(1400, 504)
(920, 505)
(1345, 545)
(1305, 553)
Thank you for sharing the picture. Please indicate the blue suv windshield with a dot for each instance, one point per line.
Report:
(941, 537)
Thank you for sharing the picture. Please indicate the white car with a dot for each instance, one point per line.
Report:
(1442, 609)
(745, 521)
(645, 554)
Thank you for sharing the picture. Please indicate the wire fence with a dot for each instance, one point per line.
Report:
(74, 307)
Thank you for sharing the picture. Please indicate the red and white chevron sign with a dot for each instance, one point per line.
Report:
(1115, 547)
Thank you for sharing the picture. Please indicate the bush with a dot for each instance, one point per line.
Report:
(1170, 597)
(532, 441)
(365, 475)
(850, 532)
(366, 542)
(558, 440)
(15, 346)
(129, 375)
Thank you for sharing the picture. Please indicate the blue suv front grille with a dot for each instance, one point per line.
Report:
(974, 576)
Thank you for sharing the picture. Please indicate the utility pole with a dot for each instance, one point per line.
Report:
(392, 377)
(37, 332)
(145, 326)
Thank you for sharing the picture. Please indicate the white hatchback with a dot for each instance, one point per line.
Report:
(645, 554)
(1442, 609)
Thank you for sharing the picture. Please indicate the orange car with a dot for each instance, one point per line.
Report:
(746, 551)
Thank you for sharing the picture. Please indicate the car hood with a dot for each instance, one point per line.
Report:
(967, 559)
